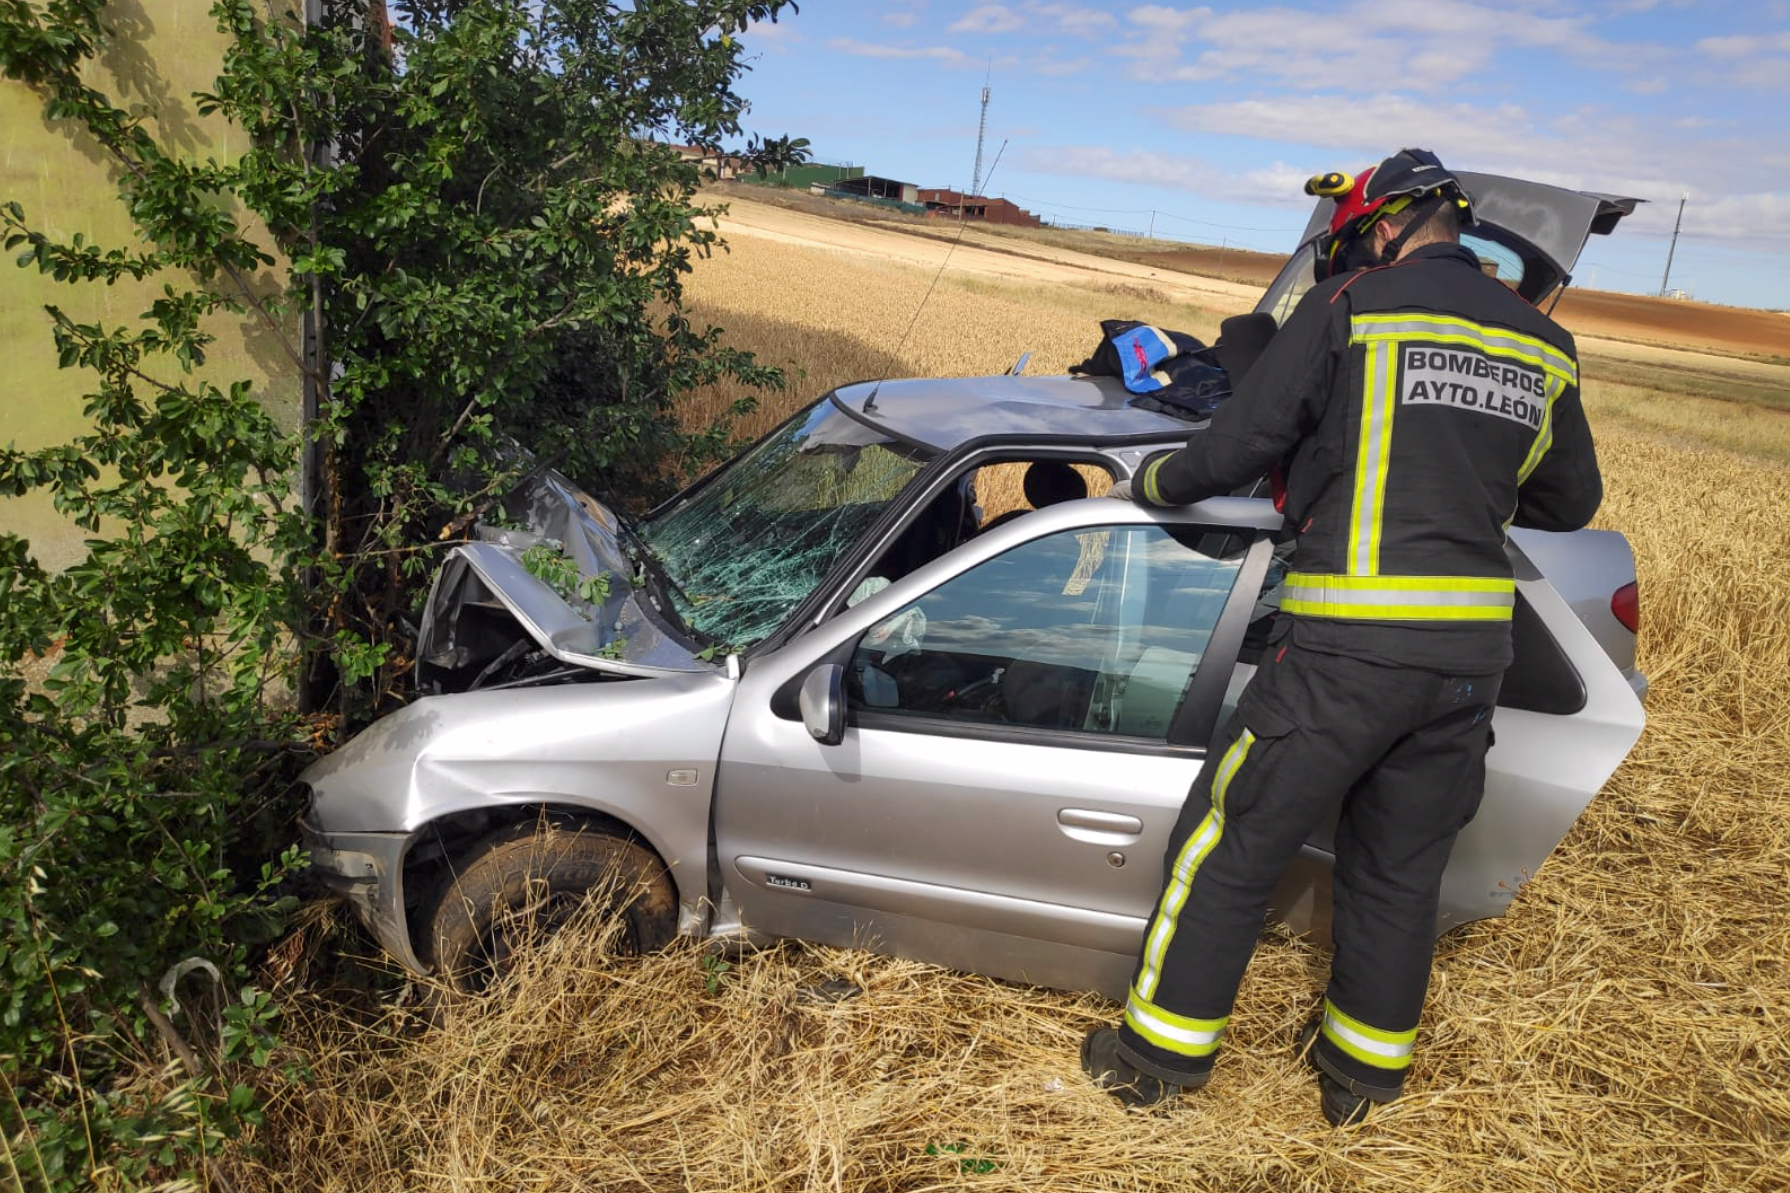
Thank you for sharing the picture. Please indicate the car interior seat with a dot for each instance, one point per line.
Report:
(1047, 695)
(1241, 341)
(1047, 482)
(947, 521)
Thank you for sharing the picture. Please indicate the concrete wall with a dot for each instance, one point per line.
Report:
(165, 50)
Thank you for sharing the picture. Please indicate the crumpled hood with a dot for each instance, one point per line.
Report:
(484, 584)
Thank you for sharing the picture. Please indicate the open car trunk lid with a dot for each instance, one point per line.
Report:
(491, 622)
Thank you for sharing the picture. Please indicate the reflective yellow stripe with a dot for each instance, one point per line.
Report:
(1187, 864)
(1544, 436)
(1443, 329)
(1369, 1045)
(1152, 494)
(1397, 612)
(1174, 1033)
(1405, 583)
(1400, 598)
(1227, 770)
(1371, 458)
(1381, 335)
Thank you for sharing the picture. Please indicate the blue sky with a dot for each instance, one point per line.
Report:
(1213, 116)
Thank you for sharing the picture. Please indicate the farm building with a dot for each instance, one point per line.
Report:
(717, 164)
(805, 177)
(951, 204)
(870, 186)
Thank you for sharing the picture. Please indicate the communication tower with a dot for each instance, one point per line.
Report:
(1663, 282)
(981, 135)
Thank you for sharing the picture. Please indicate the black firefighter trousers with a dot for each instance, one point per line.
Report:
(1404, 750)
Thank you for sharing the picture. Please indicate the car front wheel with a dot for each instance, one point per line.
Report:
(525, 883)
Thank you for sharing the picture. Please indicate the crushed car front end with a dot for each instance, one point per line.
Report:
(392, 810)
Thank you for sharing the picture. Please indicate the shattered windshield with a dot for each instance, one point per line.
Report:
(747, 547)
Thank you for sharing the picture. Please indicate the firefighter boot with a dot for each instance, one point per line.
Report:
(1102, 1061)
(1342, 1106)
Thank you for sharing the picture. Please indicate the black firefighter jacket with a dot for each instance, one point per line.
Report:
(1418, 411)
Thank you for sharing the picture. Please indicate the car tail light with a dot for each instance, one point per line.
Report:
(1626, 605)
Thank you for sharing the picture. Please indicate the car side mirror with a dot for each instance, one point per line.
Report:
(823, 704)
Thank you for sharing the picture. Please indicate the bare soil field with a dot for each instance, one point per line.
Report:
(1241, 264)
(1625, 1027)
(1601, 313)
(1696, 325)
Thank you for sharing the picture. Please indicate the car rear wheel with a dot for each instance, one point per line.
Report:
(526, 883)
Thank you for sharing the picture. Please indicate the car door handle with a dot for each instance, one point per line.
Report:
(1099, 828)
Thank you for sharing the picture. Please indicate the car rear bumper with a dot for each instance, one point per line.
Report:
(367, 870)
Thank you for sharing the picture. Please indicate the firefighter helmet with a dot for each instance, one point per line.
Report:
(1407, 177)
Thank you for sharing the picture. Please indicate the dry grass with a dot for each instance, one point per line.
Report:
(1766, 390)
(830, 319)
(1625, 1027)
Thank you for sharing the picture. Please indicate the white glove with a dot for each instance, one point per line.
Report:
(1121, 491)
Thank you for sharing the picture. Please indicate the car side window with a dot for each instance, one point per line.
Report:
(1089, 631)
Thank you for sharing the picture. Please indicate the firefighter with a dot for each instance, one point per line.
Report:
(1416, 408)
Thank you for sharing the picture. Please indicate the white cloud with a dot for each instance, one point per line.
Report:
(869, 49)
(903, 14)
(1425, 44)
(988, 18)
(1035, 15)
(1728, 47)
(771, 35)
(1060, 67)
(1759, 62)
(1465, 19)
(1748, 218)
(1373, 126)
(1171, 22)
(1756, 218)
(1587, 148)
(1073, 18)
(1761, 74)
(1744, 45)
(1278, 184)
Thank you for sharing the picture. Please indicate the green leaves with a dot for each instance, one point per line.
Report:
(548, 563)
(496, 244)
(492, 239)
(147, 735)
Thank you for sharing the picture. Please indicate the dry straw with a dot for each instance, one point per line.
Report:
(1626, 1026)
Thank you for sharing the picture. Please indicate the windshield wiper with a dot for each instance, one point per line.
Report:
(661, 582)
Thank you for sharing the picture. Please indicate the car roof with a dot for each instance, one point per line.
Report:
(947, 412)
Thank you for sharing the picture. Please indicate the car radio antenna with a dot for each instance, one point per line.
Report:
(962, 224)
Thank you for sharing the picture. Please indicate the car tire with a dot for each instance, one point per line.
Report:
(529, 881)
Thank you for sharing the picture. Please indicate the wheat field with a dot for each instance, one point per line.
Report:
(1625, 1027)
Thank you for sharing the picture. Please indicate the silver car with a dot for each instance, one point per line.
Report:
(817, 696)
